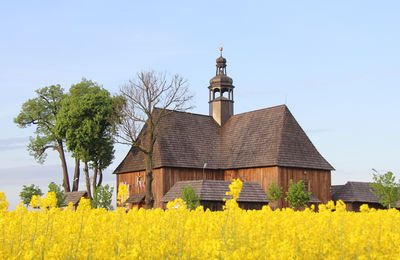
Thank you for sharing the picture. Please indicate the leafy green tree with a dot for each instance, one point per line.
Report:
(386, 189)
(297, 196)
(57, 189)
(27, 193)
(190, 198)
(86, 121)
(42, 112)
(102, 197)
(274, 192)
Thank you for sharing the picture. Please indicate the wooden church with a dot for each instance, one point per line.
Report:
(263, 146)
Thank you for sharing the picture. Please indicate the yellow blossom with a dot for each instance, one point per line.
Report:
(123, 193)
(35, 201)
(50, 201)
(3, 202)
(176, 233)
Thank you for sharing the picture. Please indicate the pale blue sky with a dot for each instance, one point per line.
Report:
(335, 64)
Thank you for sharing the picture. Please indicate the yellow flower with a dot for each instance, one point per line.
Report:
(50, 201)
(3, 202)
(364, 208)
(123, 193)
(177, 233)
(35, 201)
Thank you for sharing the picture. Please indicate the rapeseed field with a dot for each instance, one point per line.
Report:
(175, 233)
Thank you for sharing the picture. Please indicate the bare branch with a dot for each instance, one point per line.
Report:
(150, 90)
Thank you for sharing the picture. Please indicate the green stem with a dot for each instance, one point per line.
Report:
(79, 238)
(34, 233)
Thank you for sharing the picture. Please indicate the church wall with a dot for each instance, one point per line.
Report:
(263, 176)
(173, 175)
(132, 179)
(317, 181)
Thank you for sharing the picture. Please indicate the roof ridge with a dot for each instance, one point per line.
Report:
(267, 108)
(185, 112)
(281, 135)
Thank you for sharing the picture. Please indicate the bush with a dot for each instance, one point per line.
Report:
(190, 198)
(274, 192)
(58, 190)
(297, 195)
(102, 197)
(27, 193)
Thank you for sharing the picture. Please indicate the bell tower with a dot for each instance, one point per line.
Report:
(221, 93)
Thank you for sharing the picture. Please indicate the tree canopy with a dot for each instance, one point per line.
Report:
(386, 188)
(86, 122)
(42, 112)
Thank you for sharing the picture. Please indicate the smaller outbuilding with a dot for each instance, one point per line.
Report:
(213, 192)
(136, 200)
(355, 194)
(75, 197)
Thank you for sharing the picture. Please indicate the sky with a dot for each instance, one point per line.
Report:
(335, 64)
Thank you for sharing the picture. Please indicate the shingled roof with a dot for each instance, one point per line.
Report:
(354, 192)
(136, 198)
(266, 137)
(74, 197)
(314, 199)
(214, 190)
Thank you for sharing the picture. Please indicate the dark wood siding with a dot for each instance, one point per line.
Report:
(131, 179)
(319, 182)
(263, 176)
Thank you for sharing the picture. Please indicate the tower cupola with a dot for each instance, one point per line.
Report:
(221, 93)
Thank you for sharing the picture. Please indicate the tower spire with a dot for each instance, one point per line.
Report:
(221, 107)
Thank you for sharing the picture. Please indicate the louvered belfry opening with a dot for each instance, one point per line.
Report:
(221, 93)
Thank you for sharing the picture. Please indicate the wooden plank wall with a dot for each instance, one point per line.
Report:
(319, 182)
(263, 176)
(164, 178)
(173, 175)
(131, 179)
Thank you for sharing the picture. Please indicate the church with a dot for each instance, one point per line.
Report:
(261, 146)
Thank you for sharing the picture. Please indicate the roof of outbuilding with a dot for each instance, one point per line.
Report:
(74, 197)
(266, 137)
(136, 198)
(314, 199)
(354, 192)
(214, 190)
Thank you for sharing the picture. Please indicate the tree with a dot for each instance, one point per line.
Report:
(190, 198)
(274, 192)
(146, 101)
(297, 195)
(27, 193)
(86, 122)
(102, 197)
(42, 111)
(386, 189)
(53, 187)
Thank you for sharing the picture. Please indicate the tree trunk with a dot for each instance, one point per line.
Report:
(94, 181)
(75, 182)
(100, 178)
(86, 170)
(64, 167)
(149, 199)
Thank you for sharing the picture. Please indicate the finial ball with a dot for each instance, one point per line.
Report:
(221, 48)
